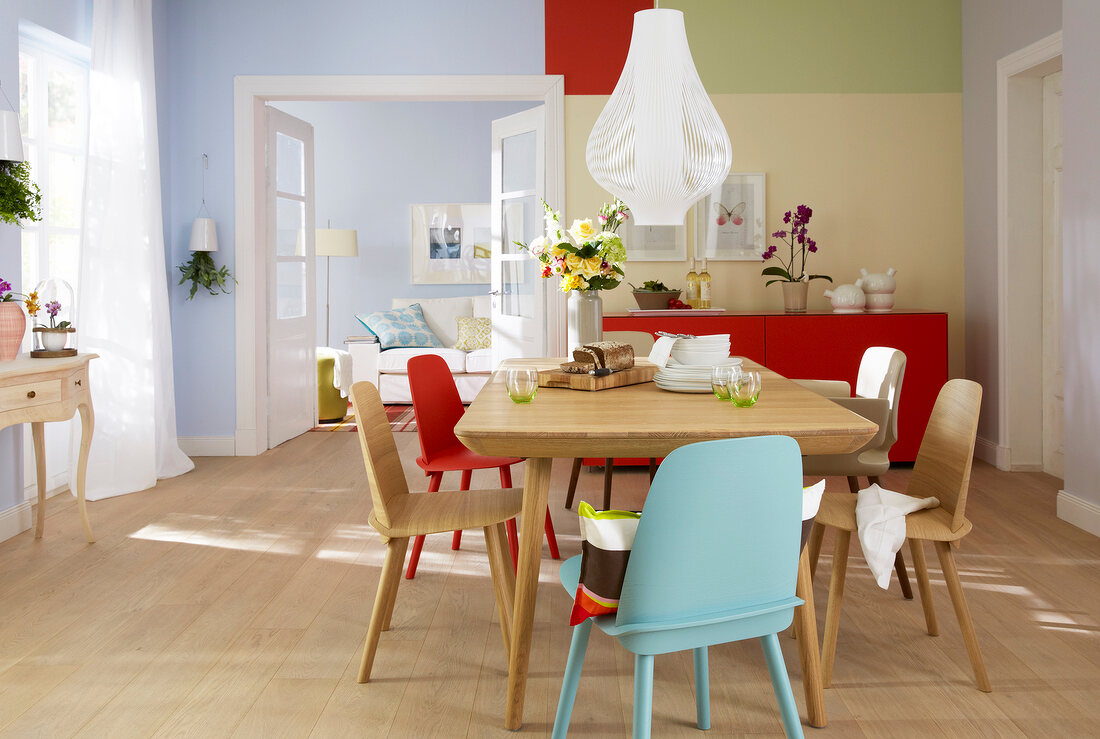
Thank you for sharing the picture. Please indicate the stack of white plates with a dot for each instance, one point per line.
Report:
(690, 378)
(702, 350)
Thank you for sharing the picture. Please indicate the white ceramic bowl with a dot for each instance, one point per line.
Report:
(700, 357)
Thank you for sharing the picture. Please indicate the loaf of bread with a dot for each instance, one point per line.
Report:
(585, 355)
(613, 355)
(577, 368)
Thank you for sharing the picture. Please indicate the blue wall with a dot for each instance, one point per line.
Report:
(211, 41)
(73, 19)
(371, 161)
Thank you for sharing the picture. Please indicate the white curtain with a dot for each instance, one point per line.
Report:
(122, 304)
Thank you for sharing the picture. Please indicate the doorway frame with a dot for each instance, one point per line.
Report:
(251, 94)
(1019, 230)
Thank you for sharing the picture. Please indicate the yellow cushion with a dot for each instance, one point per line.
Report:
(474, 333)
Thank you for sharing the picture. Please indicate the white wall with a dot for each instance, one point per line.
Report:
(991, 29)
(371, 161)
(1081, 261)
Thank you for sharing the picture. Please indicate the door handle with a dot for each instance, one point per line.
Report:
(495, 292)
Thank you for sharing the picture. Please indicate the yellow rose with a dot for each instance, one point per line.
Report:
(573, 262)
(572, 282)
(556, 251)
(591, 267)
(582, 231)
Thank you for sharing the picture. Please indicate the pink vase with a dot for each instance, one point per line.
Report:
(13, 324)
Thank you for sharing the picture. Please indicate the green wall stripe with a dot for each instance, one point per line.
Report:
(743, 46)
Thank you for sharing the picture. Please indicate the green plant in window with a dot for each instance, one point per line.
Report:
(202, 272)
(20, 199)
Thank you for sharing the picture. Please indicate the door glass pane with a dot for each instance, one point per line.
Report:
(64, 258)
(66, 181)
(518, 287)
(518, 161)
(26, 81)
(290, 280)
(522, 220)
(290, 167)
(289, 227)
(63, 103)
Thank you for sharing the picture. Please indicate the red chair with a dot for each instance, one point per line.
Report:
(438, 408)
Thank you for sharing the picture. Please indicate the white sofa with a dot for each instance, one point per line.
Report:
(387, 369)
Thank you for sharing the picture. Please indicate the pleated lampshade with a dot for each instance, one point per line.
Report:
(659, 143)
(11, 139)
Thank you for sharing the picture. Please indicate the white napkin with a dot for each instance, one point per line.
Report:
(662, 350)
(341, 370)
(811, 500)
(880, 520)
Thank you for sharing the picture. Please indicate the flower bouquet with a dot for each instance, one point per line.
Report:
(583, 257)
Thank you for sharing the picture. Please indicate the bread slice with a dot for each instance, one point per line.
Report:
(577, 368)
(614, 355)
(587, 355)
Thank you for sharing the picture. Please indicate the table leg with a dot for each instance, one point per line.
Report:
(808, 650)
(536, 490)
(87, 425)
(38, 435)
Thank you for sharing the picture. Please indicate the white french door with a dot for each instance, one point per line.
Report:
(518, 182)
(291, 332)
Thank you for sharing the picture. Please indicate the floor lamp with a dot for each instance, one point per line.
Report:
(334, 242)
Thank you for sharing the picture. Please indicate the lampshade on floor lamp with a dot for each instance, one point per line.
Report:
(334, 242)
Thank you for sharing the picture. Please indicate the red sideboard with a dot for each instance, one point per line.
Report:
(828, 346)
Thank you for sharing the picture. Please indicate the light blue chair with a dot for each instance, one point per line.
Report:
(714, 560)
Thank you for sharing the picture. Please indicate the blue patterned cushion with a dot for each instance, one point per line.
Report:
(400, 328)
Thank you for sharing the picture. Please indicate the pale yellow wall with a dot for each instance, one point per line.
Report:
(883, 173)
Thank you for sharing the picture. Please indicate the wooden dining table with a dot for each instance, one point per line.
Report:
(642, 421)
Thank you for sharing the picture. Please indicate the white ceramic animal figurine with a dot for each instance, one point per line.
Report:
(847, 298)
(880, 290)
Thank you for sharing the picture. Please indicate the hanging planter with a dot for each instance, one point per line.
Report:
(20, 199)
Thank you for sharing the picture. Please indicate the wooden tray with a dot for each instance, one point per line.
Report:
(639, 373)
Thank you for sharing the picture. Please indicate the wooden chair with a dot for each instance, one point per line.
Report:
(642, 341)
(942, 470)
(398, 515)
(438, 407)
(877, 397)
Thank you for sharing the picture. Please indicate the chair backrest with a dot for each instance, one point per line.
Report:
(719, 532)
(946, 453)
(384, 471)
(642, 341)
(436, 404)
(881, 371)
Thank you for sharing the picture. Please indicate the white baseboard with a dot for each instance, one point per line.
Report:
(1083, 514)
(991, 452)
(15, 520)
(207, 446)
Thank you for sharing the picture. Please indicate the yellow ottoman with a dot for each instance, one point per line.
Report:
(331, 406)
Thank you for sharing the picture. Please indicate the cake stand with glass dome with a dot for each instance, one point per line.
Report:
(54, 333)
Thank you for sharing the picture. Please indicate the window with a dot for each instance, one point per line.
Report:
(53, 113)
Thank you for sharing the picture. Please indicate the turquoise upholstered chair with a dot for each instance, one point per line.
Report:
(714, 560)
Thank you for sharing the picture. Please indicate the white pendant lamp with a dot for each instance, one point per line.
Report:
(11, 138)
(659, 144)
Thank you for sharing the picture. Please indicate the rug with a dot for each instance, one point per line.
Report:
(401, 418)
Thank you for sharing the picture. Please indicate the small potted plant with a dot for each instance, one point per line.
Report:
(792, 275)
(13, 324)
(56, 335)
(655, 295)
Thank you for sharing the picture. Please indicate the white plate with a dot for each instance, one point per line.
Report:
(684, 389)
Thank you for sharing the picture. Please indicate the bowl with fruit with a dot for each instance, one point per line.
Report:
(654, 295)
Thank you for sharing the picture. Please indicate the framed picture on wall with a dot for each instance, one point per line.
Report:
(654, 243)
(450, 243)
(730, 220)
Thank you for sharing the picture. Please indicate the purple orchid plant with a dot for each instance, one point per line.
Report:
(799, 243)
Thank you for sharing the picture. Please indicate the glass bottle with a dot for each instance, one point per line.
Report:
(692, 286)
(704, 286)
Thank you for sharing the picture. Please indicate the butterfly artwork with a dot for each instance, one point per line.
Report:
(734, 215)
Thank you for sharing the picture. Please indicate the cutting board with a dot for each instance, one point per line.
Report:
(639, 373)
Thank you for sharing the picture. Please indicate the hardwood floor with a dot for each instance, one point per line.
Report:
(233, 601)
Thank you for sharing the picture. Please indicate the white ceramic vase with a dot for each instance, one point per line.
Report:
(585, 318)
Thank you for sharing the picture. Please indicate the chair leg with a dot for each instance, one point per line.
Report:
(962, 612)
(832, 613)
(577, 648)
(608, 472)
(456, 538)
(652, 468)
(702, 688)
(916, 548)
(504, 580)
(853, 484)
(643, 695)
(574, 475)
(817, 534)
(551, 538)
(383, 602)
(781, 684)
(903, 576)
(418, 542)
(510, 524)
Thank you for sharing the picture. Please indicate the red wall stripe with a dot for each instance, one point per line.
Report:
(587, 41)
